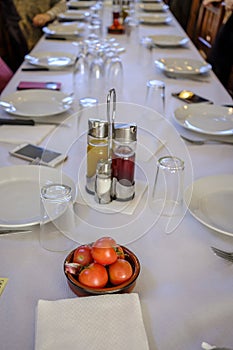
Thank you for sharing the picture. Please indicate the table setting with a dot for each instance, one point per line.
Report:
(170, 220)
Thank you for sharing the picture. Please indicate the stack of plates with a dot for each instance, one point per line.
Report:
(154, 7)
(37, 103)
(82, 4)
(156, 18)
(205, 118)
(168, 40)
(66, 29)
(182, 67)
(210, 199)
(73, 15)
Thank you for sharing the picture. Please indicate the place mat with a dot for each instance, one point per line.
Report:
(18, 134)
(127, 207)
(95, 323)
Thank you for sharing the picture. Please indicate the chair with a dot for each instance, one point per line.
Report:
(209, 20)
(191, 25)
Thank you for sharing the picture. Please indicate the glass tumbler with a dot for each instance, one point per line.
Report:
(167, 192)
(155, 96)
(57, 217)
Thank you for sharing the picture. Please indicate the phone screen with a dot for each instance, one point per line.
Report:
(190, 97)
(34, 152)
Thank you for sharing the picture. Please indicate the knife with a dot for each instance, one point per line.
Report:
(38, 69)
(4, 121)
(55, 38)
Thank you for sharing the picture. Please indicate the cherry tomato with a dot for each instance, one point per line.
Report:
(120, 271)
(82, 255)
(94, 275)
(104, 251)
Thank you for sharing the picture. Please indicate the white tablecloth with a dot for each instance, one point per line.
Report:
(185, 290)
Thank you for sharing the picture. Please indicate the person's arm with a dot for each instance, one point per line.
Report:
(43, 18)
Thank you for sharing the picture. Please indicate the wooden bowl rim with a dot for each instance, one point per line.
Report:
(115, 289)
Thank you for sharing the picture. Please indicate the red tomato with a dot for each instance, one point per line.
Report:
(104, 251)
(82, 255)
(120, 271)
(94, 276)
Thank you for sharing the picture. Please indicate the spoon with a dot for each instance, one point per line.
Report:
(7, 105)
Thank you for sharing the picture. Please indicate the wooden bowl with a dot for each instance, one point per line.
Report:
(126, 287)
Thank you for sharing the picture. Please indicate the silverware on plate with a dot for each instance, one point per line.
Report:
(223, 254)
(14, 231)
(207, 346)
(206, 141)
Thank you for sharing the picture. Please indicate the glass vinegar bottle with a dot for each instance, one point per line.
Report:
(123, 161)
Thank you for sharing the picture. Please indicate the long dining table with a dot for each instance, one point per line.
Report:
(185, 290)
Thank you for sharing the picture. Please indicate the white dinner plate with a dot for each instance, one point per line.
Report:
(169, 40)
(74, 15)
(157, 18)
(20, 193)
(154, 7)
(37, 103)
(206, 118)
(80, 4)
(64, 28)
(51, 60)
(211, 202)
(183, 66)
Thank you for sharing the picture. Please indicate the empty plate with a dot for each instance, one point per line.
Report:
(37, 103)
(80, 4)
(182, 66)
(168, 40)
(157, 18)
(64, 29)
(20, 187)
(51, 60)
(153, 7)
(206, 118)
(73, 15)
(211, 202)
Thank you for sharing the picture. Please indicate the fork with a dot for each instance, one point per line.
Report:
(223, 254)
(202, 142)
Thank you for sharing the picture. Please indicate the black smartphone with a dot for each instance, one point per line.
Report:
(190, 97)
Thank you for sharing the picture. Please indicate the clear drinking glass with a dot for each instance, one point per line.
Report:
(57, 217)
(167, 192)
(155, 96)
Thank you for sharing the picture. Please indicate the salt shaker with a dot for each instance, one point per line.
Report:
(123, 160)
(103, 182)
(97, 148)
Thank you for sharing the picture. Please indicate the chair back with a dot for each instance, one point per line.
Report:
(209, 20)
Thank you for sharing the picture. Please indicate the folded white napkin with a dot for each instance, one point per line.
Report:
(127, 207)
(17, 134)
(104, 322)
(148, 147)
